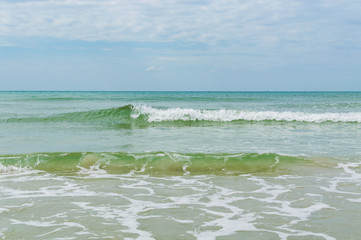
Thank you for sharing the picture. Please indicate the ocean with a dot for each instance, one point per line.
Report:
(180, 165)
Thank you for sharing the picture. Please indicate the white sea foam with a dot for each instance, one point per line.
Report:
(12, 169)
(227, 115)
(35, 223)
(351, 177)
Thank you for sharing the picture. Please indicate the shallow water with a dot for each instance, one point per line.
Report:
(183, 165)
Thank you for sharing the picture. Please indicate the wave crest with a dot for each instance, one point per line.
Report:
(169, 163)
(228, 115)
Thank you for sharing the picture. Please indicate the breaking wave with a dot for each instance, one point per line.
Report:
(168, 163)
(139, 115)
(227, 115)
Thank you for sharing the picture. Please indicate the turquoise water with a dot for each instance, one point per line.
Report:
(189, 165)
(296, 123)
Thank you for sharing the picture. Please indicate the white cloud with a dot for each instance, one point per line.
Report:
(6, 43)
(248, 23)
(150, 69)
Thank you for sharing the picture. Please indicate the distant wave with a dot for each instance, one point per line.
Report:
(141, 115)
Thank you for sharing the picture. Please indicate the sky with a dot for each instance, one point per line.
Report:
(180, 45)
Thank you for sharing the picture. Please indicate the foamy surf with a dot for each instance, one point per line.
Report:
(227, 115)
(98, 205)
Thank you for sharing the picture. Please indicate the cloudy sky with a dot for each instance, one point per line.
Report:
(180, 45)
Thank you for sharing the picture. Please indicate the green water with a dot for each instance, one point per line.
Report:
(183, 165)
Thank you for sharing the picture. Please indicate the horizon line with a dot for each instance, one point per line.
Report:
(180, 90)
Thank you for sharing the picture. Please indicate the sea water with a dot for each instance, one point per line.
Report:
(180, 165)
